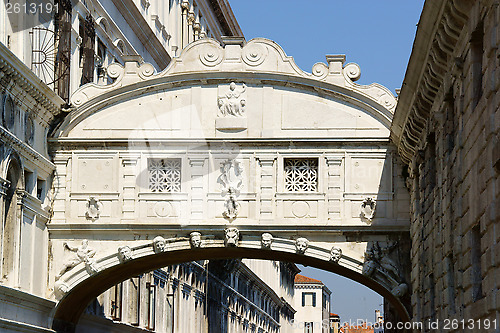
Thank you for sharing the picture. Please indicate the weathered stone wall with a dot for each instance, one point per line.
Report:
(454, 181)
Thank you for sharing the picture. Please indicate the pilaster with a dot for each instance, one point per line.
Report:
(267, 186)
(196, 188)
(334, 187)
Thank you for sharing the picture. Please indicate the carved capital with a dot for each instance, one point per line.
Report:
(185, 5)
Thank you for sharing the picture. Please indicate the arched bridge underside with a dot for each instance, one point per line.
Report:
(142, 258)
(231, 152)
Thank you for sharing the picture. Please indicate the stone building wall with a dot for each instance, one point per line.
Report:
(446, 127)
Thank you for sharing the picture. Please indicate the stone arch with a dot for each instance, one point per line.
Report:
(78, 287)
(11, 217)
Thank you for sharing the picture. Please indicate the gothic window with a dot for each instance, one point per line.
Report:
(301, 174)
(164, 175)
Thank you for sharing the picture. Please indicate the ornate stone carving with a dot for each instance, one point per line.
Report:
(352, 71)
(159, 244)
(84, 254)
(266, 240)
(231, 179)
(232, 103)
(254, 54)
(232, 236)
(211, 55)
(301, 245)
(60, 289)
(124, 253)
(377, 259)
(195, 239)
(335, 254)
(94, 207)
(400, 290)
(320, 70)
(368, 209)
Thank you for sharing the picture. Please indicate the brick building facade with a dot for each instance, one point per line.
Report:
(446, 128)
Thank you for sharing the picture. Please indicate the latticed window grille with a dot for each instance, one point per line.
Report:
(301, 174)
(164, 175)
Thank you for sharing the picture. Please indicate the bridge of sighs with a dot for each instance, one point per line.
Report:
(232, 151)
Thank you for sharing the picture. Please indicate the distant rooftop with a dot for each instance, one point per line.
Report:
(304, 279)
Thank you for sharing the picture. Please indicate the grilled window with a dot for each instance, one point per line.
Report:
(164, 175)
(301, 174)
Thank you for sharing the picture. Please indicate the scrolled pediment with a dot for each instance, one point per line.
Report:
(258, 56)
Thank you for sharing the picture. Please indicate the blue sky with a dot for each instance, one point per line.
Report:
(377, 35)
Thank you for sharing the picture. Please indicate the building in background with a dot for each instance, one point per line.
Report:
(447, 130)
(334, 323)
(362, 328)
(69, 43)
(312, 303)
(207, 296)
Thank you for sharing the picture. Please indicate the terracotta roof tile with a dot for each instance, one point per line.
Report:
(304, 279)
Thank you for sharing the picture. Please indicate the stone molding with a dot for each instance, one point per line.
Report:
(14, 68)
(206, 60)
(318, 250)
(433, 44)
(25, 150)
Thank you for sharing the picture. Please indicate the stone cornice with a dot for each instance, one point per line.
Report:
(143, 31)
(25, 150)
(226, 18)
(439, 29)
(11, 66)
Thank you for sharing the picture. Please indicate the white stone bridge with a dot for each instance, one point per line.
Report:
(238, 145)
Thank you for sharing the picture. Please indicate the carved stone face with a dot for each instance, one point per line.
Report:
(266, 240)
(159, 244)
(124, 253)
(400, 290)
(368, 268)
(232, 236)
(301, 245)
(195, 239)
(60, 289)
(335, 254)
(232, 86)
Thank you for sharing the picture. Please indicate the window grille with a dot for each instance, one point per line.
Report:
(164, 175)
(301, 174)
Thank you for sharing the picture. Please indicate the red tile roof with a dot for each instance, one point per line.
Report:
(334, 315)
(304, 279)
